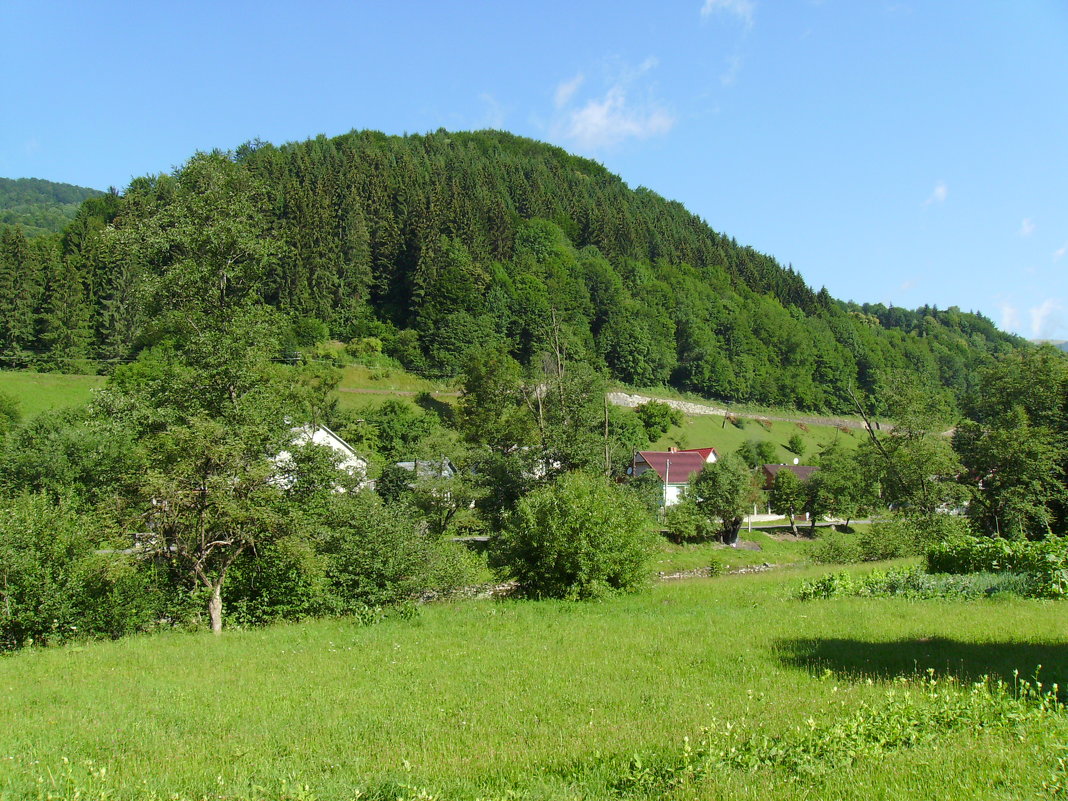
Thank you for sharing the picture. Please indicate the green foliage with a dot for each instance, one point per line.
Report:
(39, 206)
(10, 413)
(657, 418)
(70, 455)
(796, 444)
(787, 495)
(687, 523)
(441, 243)
(579, 538)
(375, 555)
(755, 452)
(1014, 447)
(834, 547)
(724, 491)
(1046, 560)
(54, 586)
(913, 582)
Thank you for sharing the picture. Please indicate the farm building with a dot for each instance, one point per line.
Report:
(802, 471)
(349, 461)
(674, 468)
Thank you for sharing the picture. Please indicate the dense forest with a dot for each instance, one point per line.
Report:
(435, 244)
(40, 206)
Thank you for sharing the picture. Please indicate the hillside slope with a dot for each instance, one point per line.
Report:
(433, 245)
(40, 206)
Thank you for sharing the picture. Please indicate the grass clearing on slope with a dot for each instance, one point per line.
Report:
(699, 431)
(38, 392)
(546, 699)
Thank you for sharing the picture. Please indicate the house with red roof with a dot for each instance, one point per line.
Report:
(674, 467)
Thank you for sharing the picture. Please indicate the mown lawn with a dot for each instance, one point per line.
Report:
(495, 699)
(37, 392)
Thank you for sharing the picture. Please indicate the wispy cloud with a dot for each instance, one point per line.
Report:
(730, 75)
(1046, 319)
(908, 284)
(744, 10)
(566, 90)
(1027, 227)
(1010, 317)
(495, 113)
(615, 116)
(1058, 254)
(938, 194)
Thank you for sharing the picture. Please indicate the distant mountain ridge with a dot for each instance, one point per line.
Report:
(40, 206)
(1059, 344)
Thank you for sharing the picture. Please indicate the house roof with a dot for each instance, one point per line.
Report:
(705, 452)
(802, 471)
(683, 464)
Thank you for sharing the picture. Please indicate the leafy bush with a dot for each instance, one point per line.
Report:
(55, 586)
(1045, 560)
(686, 523)
(915, 583)
(835, 548)
(376, 555)
(890, 539)
(580, 537)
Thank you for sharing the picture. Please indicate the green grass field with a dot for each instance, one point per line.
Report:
(547, 700)
(37, 392)
(699, 431)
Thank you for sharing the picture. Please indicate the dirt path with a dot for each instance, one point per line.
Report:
(688, 407)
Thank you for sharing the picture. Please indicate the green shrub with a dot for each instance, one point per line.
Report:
(913, 582)
(55, 586)
(1045, 560)
(580, 537)
(686, 523)
(835, 548)
(376, 555)
(890, 539)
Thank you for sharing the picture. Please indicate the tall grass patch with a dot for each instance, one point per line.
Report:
(547, 699)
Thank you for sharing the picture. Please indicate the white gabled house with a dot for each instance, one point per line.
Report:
(350, 461)
(674, 468)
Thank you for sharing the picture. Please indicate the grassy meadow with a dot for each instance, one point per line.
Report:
(38, 392)
(547, 700)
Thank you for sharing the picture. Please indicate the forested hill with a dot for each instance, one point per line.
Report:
(40, 206)
(435, 244)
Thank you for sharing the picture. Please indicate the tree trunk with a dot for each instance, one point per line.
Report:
(730, 533)
(793, 524)
(215, 608)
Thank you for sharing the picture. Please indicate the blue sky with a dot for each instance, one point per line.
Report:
(897, 152)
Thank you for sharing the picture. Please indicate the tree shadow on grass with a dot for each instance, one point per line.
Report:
(967, 661)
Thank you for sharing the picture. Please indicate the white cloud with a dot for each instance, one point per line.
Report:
(742, 9)
(1046, 319)
(566, 90)
(1010, 318)
(730, 75)
(908, 284)
(1058, 254)
(1027, 227)
(612, 118)
(938, 194)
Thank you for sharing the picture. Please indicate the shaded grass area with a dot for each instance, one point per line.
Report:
(885, 659)
(38, 392)
(544, 700)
